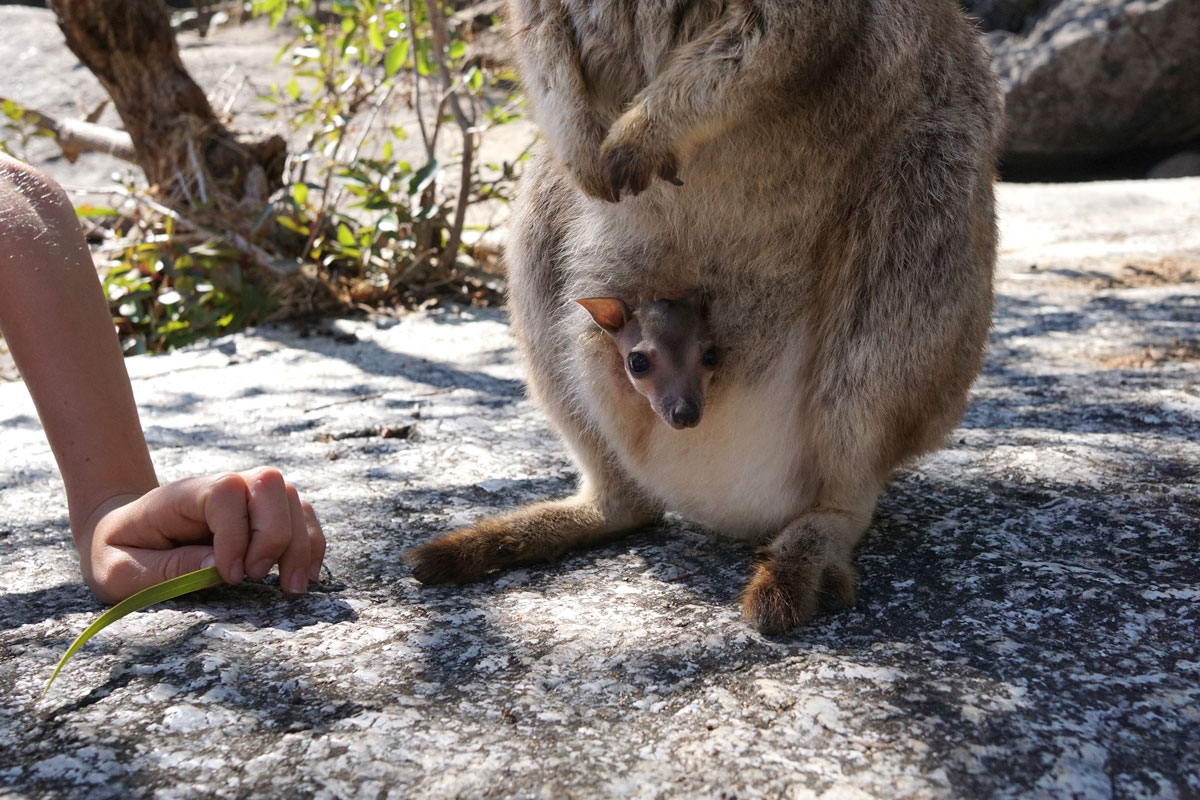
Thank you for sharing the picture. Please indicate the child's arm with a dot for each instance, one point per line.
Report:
(130, 532)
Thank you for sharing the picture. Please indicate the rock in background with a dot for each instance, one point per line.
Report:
(1111, 86)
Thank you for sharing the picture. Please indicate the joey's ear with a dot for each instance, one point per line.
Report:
(610, 313)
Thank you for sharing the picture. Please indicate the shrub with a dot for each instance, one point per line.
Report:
(360, 222)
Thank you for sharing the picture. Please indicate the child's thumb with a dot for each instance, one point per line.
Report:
(128, 570)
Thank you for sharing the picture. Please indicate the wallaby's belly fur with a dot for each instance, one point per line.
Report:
(742, 476)
(740, 472)
(836, 211)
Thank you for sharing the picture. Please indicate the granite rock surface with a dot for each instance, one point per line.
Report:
(1029, 597)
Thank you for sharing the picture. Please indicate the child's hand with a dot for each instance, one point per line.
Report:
(243, 523)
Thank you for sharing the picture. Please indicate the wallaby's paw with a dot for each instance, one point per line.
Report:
(590, 178)
(581, 155)
(782, 595)
(633, 155)
(459, 557)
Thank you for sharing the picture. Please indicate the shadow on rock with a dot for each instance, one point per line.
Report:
(373, 359)
(53, 602)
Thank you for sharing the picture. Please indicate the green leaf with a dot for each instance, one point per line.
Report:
(345, 235)
(424, 48)
(395, 57)
(184, 584)
(174, 326)
(374, 36)
(395, 20)
(92, 212)
(475, 79)
(292, 225)
(388, 223)
(422, 177)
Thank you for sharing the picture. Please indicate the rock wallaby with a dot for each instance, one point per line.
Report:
(821, 172)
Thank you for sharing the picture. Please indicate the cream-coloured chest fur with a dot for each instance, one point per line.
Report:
(739, 472)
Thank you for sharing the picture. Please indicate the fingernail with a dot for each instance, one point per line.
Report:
(209, 561)
(298, 582)
(259, 570)
(314, 572)
(237, 571)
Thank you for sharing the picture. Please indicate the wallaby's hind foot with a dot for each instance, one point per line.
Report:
(808, 567)
(539, 532)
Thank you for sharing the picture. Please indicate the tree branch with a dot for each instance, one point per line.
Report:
(437, 21)
(76, 136)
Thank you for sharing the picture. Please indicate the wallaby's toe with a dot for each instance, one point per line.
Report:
(623, 174)
(837, 587)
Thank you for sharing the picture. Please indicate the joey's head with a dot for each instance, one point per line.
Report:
(667, 350)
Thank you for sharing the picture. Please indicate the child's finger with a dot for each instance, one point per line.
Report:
(225, 512)
(316, 541)
(294, 563)
(270, 520)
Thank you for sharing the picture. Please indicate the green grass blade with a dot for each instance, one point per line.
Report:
(191, 582)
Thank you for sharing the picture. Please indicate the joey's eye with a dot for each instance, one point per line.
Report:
(709, 359)
(638, 363)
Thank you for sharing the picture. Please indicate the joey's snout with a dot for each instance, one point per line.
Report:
(682, 414)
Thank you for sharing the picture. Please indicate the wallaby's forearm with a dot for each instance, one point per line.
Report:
(753, 56)
(549, 56)
(754, 52)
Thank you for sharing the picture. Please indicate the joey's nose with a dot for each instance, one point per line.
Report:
(685, 415)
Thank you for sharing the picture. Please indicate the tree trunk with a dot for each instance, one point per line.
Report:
(188, 156)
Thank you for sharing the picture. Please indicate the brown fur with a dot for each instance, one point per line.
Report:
(835, 207)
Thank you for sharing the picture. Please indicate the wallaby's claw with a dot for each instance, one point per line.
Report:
(773, 606)
(837, 588)
(623, 174)
(670, 175)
